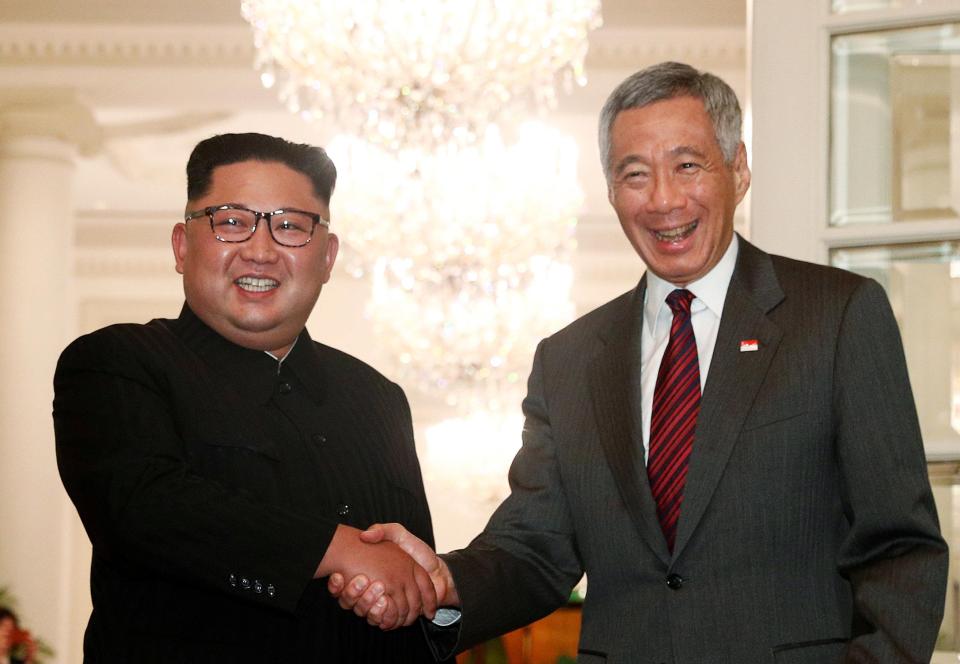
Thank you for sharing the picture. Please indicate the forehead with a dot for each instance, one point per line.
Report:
(663, 125)
(268, 184)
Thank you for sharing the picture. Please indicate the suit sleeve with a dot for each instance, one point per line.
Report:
(893, 555)
(123, 464)
(525, 562)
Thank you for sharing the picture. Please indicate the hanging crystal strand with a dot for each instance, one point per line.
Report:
(436, 72)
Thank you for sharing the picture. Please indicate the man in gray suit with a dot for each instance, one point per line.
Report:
(730, 451)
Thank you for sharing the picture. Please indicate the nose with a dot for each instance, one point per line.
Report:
(665, 194)
(260, 248)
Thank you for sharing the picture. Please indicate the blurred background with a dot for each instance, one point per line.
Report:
(473, 225)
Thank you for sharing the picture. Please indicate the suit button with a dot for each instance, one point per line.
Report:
(319, 438)
(257, 586)
(245, 583)
(343, 509)
(286, 388)
(233, 580)
(271, 591)
(674, 582)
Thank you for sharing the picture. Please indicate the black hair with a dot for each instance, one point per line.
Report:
(226, 149)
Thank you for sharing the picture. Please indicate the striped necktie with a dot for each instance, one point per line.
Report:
(673, 420)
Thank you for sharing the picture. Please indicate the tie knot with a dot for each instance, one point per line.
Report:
(679, 301)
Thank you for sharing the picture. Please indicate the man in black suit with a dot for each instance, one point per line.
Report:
(730, 451)
(223, 462)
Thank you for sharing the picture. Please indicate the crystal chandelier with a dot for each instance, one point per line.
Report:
(469, 253)
(471, 346)
(488, 207)
(427, 73)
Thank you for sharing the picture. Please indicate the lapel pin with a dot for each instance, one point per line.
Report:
(749, 345)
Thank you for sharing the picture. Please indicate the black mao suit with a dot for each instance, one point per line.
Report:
(210, 480)
(807, 533)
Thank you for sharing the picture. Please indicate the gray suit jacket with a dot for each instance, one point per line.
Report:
(808, 532)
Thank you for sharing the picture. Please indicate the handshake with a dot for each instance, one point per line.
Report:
(386, 575)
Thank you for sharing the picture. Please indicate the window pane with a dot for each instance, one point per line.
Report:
(923, 283)
(849, 6)
(895, 157)
(844, 6)
(945, 480)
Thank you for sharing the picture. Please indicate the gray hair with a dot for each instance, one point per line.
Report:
(666, 81)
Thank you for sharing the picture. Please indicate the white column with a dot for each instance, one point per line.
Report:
(41, 542)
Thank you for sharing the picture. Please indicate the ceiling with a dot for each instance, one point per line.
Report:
(621, 13)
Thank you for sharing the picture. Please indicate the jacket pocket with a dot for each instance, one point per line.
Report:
(585, 656)
(214, 433)
(821, 651)
(766, 419)
(264, 448)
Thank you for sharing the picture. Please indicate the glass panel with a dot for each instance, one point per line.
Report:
(895, 125)
(923, 283)
(849, 6)
(945, 480)
(844, 6)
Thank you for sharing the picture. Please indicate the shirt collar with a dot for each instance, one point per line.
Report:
(710, 289)
(256, 371)
(280, 360)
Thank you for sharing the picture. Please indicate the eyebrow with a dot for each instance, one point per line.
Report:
(687, 149)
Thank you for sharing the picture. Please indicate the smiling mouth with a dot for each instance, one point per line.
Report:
(677, 234)
(256, 285)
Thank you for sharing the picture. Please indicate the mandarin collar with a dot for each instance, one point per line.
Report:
(253, 371)
(710, 290)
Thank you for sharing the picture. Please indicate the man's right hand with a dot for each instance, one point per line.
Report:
(367, 599)
(405, 586)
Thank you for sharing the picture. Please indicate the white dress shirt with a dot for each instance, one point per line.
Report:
(705, 311)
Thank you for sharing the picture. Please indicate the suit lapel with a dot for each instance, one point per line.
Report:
(733, 380)
(614, 386)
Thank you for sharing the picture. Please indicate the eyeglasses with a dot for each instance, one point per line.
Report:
(234, 223)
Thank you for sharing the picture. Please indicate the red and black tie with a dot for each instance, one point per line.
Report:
(673, 420)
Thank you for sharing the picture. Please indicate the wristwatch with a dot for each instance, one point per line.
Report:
(446, 616)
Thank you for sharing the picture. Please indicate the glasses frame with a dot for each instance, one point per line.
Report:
(257, 216)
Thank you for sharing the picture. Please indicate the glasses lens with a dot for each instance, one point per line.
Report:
(233, 225)
(292, 229)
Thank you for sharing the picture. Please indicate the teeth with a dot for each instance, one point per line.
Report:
(256, 285)
(676, 234)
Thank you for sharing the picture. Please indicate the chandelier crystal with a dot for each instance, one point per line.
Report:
(470, 344)
(469, 254)
(427, 73)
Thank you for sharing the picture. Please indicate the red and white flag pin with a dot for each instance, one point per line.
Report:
(749, 345)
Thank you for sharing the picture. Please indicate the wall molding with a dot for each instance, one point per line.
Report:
(619, 48)
(129, 264)
(37, 44)
(125, 46)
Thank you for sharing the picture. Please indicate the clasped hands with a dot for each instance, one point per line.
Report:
(386, 575)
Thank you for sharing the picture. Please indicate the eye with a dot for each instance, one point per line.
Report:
(633, 175)
(289, 224)
(688, 167)
(228, 221)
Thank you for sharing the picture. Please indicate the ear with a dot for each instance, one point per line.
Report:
(179, 243)
(330, 256)
(741, 172)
